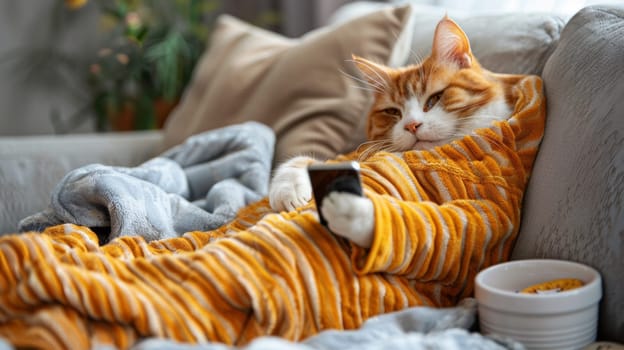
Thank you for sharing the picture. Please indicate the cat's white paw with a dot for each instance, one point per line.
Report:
(290, 187)
(350, 216)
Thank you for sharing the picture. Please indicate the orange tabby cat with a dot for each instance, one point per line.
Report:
(445, 97)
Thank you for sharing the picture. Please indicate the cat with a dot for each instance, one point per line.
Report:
(445, 97)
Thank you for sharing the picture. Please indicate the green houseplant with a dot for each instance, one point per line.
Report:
(148, 54)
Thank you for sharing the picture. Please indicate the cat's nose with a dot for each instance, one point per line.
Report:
(412, 127)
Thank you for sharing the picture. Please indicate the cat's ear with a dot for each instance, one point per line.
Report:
(375, 74)
(451, 44)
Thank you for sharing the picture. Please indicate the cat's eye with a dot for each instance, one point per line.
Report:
(392, 111)
(432, 101)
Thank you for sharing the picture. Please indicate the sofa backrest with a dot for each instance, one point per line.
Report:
(574, 204)
(503, 42)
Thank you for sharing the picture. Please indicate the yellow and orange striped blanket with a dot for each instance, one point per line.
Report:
(440, 217)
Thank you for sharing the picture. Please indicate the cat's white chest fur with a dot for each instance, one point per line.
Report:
(497, 109)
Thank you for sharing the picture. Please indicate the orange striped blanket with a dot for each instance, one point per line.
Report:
(440, 217)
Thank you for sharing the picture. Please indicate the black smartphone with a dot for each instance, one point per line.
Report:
(338, 177)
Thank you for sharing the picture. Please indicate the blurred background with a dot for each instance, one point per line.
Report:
(82, 66)
(70, 66)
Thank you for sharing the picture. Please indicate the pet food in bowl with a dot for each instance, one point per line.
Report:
(554, 286)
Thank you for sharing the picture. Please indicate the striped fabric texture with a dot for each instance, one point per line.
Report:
(440, 217)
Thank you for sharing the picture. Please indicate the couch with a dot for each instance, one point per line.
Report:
(573, 205)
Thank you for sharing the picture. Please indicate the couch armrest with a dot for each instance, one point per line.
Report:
(573, 204)
(30, 166)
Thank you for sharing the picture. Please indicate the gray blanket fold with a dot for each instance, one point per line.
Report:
(416, 328)
(198, 185)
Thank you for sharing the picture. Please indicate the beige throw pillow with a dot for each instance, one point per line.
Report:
(299, 87)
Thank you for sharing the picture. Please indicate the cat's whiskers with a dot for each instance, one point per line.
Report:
(374, 87)
(394, 149)
(372, 144)
(381, 81)
(377, 84)
(364, 88)
(417, 61)
(369, 148)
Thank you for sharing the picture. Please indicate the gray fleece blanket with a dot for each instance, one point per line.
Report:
(198, 185)
(416, 328)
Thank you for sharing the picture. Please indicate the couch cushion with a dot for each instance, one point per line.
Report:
(503, 42)
(574, 203)
(300, 87)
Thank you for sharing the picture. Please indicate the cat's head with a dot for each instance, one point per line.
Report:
(443, 98)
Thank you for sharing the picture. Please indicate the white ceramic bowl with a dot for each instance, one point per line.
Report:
(564, 320)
